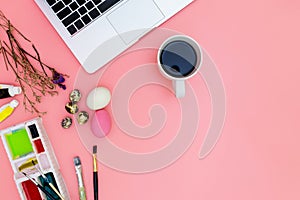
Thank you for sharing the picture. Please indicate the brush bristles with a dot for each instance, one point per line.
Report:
(95, 149)
(77, 161)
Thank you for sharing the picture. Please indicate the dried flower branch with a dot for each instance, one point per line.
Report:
(30, 71)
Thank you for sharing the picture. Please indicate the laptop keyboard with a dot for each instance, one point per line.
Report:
(77, 14)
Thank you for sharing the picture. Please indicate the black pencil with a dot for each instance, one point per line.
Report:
(95, 173)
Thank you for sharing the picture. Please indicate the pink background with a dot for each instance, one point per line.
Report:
(255, 45)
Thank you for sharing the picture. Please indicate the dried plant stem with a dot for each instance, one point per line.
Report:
(30, 71)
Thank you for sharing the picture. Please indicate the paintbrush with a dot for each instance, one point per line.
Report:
(95, 173)
(78, 170)
(47, 181)
(39, 186)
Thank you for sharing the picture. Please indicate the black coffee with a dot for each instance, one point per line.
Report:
(178, 59)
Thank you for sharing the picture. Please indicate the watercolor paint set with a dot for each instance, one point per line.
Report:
(31, 154)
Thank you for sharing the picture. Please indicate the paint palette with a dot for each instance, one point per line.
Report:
(28, 143)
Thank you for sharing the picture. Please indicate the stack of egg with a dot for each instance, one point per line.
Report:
(97, 100)
(72, 108)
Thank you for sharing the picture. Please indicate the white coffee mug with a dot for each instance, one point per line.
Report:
(179, 58)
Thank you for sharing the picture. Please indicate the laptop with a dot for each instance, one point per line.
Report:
(96, 31)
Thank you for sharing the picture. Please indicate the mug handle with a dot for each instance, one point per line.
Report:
(179, 88)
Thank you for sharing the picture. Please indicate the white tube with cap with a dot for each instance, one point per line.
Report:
(7, 91)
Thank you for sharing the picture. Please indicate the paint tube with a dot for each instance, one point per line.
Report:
(7, 91)
(7, 109)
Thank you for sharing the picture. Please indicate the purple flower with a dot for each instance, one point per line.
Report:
(62, 86)
(58, 79)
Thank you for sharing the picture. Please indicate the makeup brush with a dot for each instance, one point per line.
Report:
(78, 170)
(95, 172)
(39, 186)
(47, 181)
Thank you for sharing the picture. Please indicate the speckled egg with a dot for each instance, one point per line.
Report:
(66, 122)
